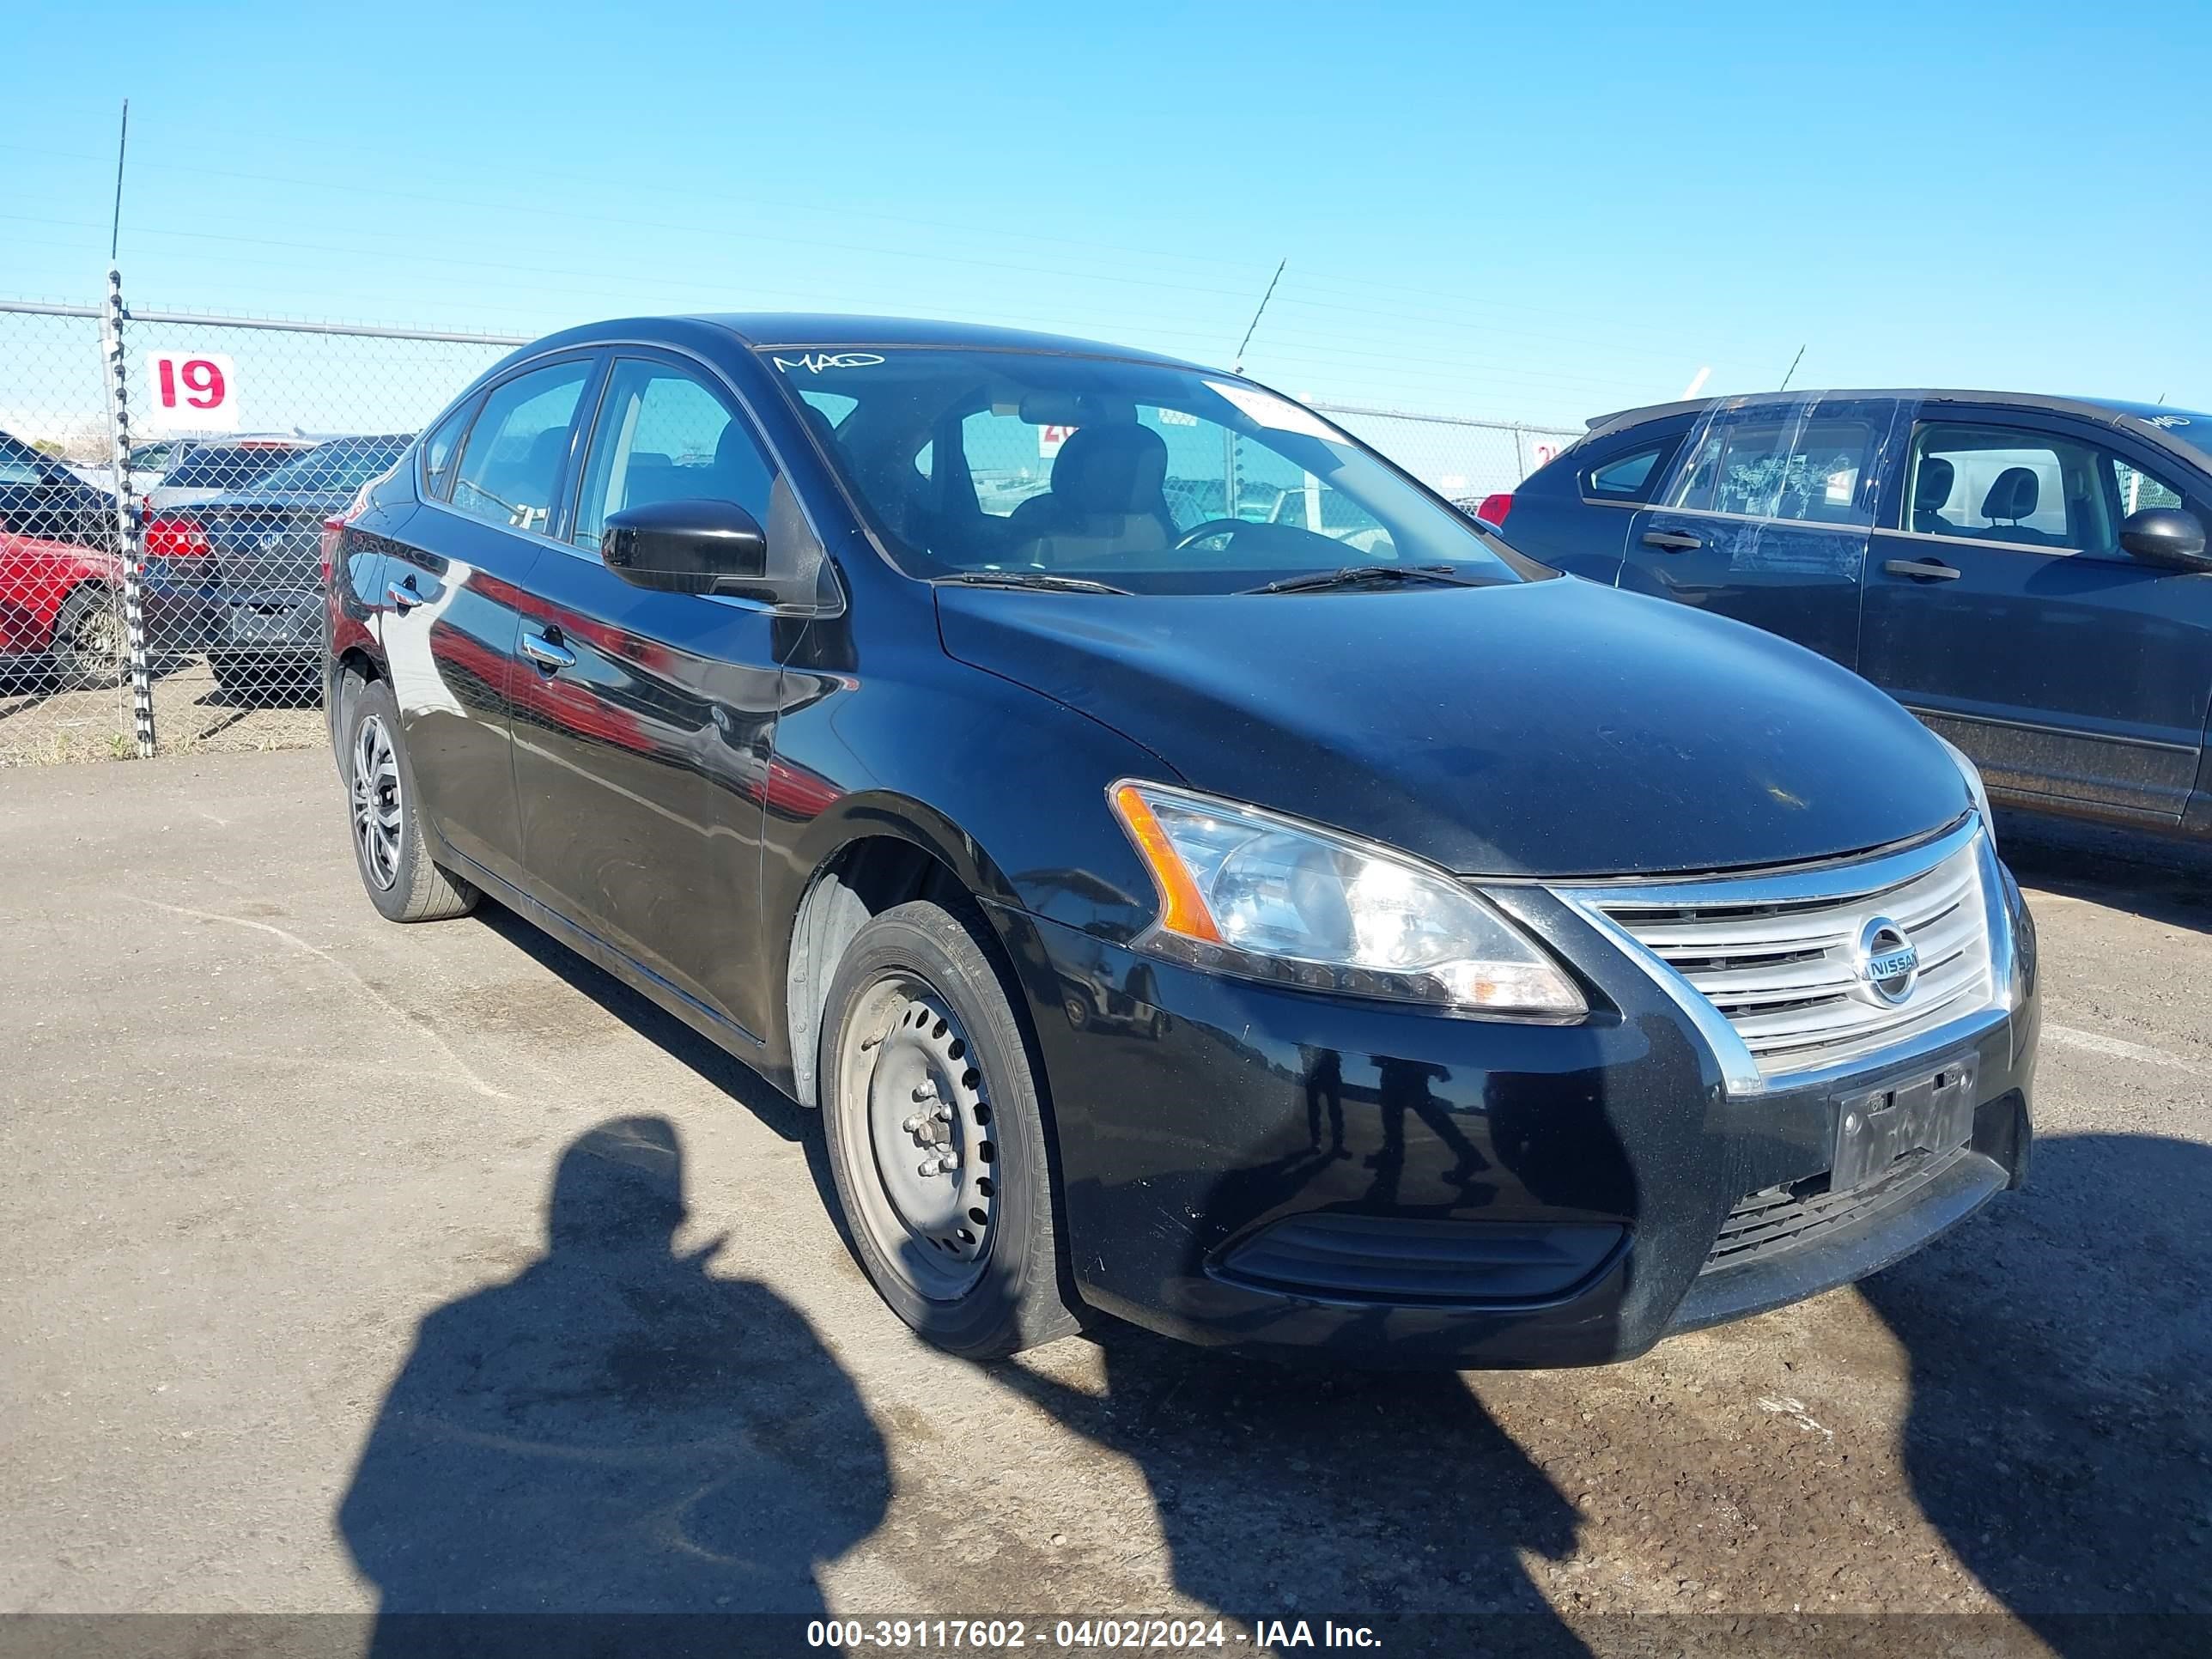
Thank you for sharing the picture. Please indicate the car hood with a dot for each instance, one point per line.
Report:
(1548, 729)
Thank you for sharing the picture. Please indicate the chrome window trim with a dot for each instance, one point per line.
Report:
(1866, 529)
(1739, 1068)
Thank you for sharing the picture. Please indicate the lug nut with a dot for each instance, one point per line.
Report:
(914, 1125)
(925, 1090)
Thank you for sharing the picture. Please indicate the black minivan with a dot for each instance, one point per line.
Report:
(1271, 932)
(2027, 574)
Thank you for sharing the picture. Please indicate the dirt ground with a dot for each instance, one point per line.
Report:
(314, 1303)
(192, 715)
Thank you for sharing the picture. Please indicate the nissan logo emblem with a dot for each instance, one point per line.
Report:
(1888, 963)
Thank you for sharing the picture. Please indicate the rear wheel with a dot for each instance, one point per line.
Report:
(88, 647)
(936, 1135)
(390, 845)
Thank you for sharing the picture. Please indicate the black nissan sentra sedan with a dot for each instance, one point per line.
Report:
(1366, 941)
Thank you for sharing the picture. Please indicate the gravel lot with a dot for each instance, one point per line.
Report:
(311, 1305)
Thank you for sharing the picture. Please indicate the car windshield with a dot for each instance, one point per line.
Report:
(1144, 476)
(333, 468)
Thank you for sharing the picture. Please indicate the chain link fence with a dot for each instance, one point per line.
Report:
(172, 496)
(1463, 460)
(244, 436)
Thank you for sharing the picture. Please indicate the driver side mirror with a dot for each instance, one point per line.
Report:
(688, 547)
(2165, 537)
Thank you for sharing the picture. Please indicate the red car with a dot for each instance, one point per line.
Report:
(60, 613)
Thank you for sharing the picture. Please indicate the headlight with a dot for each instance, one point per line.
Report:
(1243, 891)
(1975, 787)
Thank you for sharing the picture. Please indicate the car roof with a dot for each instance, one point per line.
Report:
(815, 331)
(2099, 408)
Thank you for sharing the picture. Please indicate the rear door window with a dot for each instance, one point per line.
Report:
(512, 459)
(1780, 463)
(231, 467)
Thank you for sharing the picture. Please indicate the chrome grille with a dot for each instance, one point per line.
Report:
(1777, 955)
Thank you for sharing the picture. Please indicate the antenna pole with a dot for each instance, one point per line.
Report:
(1237, 367)
(1794, 362)
(122, 143)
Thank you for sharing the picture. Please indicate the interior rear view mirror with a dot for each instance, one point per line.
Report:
(686, 547)
(2166, 536)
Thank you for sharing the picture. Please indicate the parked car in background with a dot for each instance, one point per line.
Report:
(206, 468)
(2027, 574)
(237, 575)
(1071, 854)
(48, 500)
(60, 620)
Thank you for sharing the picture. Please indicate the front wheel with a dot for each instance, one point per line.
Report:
(390, 846)
(936, 1135)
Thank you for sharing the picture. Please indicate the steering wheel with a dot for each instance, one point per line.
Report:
(1211, 528)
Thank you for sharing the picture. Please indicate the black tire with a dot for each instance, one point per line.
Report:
(401, 881)
(87, 649)
(1016, 1301)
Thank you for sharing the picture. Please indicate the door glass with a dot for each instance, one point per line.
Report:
(439, 451)
(512, 459)
(2137, 491)
(1780, 464)
(2024, 487)
(1626, 477)
(664, 435)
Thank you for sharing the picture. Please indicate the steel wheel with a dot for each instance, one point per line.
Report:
(931, 1198)
(378, 819)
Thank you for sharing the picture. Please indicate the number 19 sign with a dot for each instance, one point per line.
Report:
(192, 392)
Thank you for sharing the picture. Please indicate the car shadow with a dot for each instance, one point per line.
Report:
(2057, 1435)
(2165, 881)
(776, 1110)
(611, 1436)
(1296, 1492)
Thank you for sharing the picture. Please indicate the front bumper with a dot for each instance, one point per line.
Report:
(1248, 1165)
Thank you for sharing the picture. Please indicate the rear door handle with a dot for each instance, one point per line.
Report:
(547, 652)
(402, 594)
(1923, 570)
(1674, 541)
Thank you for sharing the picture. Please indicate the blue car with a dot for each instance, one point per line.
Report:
(2027, 574)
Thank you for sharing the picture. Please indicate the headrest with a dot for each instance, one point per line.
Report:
(1111, 469)
(1932, 488)
(738, 474)
(2014, 494)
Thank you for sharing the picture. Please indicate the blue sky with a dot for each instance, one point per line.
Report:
(1534, 212)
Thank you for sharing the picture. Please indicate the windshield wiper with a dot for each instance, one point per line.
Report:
(1356, 575)
(1043, 580)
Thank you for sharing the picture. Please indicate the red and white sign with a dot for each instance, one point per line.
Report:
(192, 392)
(1050, 438)
(1542, 452)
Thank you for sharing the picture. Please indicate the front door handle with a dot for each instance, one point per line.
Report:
(1921, 570)
(1671, 541)
(402, 594)
(547, 652)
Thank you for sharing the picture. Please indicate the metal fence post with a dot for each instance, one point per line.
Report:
(128, 531)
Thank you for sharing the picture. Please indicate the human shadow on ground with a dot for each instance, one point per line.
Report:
(2058, 1434)
(614, 1430)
